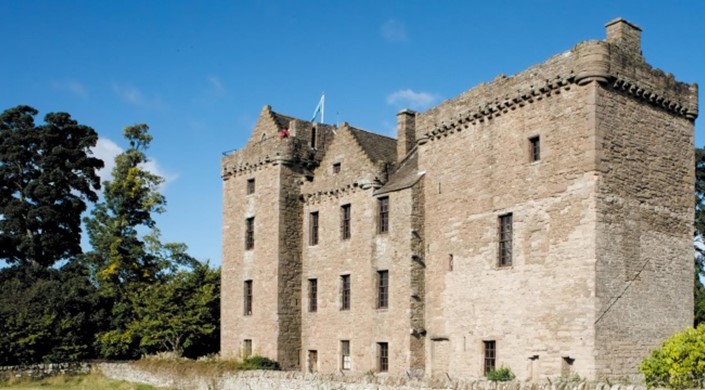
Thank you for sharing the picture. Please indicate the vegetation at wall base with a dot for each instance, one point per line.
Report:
(502, 374)
(679, 363)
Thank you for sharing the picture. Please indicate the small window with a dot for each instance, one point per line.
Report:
(535, 148)
(505, 240)
(313, 137)
(250, 186)
(345, 222)
(246, 348)
(344, 292)
(336, 168)
(312, 295)
(383, 217)
(250, 233)
(248, 298)
(383, 357)
(382, 289)
(313, 228)
(450, 262)
(312, 360)
(345, 363)
(490, 355)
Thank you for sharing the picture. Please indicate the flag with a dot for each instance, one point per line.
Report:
(320, 108)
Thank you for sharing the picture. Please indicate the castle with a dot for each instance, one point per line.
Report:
(540, 222)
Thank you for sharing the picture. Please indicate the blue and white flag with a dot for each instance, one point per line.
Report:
(320, 109)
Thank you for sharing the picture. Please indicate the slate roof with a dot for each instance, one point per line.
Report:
(406, 176)
(377, 147)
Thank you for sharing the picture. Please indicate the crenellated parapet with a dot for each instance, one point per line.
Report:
(269, 151)
(615, 63)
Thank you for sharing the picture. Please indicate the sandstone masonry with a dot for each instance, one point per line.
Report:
(541, 222)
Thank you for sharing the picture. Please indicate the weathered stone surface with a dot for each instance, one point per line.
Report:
(601, 268)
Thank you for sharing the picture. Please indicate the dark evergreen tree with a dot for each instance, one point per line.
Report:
(46, 175)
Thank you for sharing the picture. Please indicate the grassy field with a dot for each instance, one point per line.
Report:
(78, 382)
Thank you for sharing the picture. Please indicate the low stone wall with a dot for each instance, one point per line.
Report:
(294, 380)
(38, 371)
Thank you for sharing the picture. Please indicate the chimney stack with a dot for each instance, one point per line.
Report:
(406, 132)
(625, 35)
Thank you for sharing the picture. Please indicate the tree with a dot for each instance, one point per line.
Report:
(46, 175)
(128, 258)
(679, 363)
(698, 288)
(179, 313)
(45, 314)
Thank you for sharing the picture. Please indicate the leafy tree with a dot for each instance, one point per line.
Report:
(698, 288)
(176, 314)
(46, 175)
(129, 262)
(45, 314)
(679, 363)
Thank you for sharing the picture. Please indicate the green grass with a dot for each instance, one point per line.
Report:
(75, 382)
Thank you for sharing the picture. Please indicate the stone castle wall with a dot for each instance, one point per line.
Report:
(645, 228)
(601, 244)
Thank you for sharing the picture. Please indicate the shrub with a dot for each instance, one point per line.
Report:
(679, 363)
(259, 363)
(502, 374)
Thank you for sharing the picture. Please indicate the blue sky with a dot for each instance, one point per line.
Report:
(198, 73)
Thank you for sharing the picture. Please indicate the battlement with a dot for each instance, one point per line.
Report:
(617, 63)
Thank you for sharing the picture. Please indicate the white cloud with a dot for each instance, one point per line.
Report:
(71, 86)
(106, 150)
(394, 31)
(408, 98)
(132, 95)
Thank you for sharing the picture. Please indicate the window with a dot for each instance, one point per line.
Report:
(383, 357)
(345, 354)
(383, 218)
(535, 148)
(490, 355)
(312, 360)
(248, 298)
(336, 168)
(505, 240)
(313, 137)
(250, 233)
(313, 228)
(345, 222)
(344, 292)
(246, 348)
(382, 289)
(312, 295)
(567, 366)
(250, 186)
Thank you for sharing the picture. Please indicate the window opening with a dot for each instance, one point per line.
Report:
(383, 356)
(246, 348)
(345, 362)
(535, 148)
(383, 218)
(312, 295)
(382, 289)
(250, 233)
(344, 292)
(505, 240)
(336, 168)
(312, 360)
(490, 355)
(248, 298)
(345, 222)
(250, 186)
(313, 137)
(313, 228)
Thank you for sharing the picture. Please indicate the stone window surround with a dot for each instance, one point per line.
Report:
(505, 238)
(382, 356)
(535, 148)
(345, 221)
(382, 289)
(345, 359)
(312, 295)
(345, 292)
(383, 215)
(489, 354)
(313, 228)
(247, 295)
